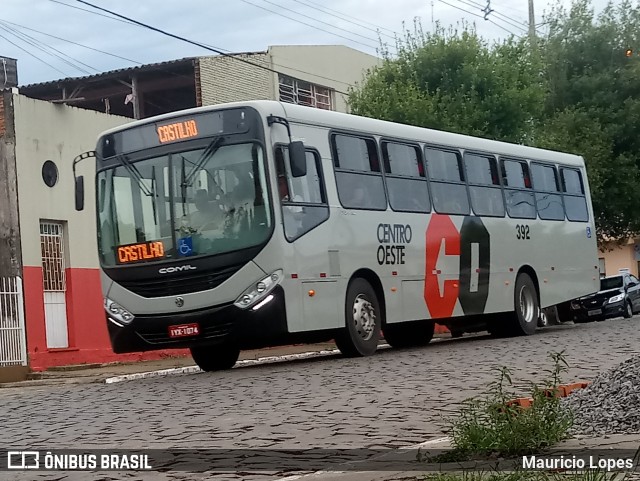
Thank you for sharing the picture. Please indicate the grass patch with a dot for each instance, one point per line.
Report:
(525, 476)
(486, 427)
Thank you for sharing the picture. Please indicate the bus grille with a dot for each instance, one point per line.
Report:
(180, 285)
(161, 336)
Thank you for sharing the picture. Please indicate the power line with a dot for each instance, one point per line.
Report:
(307, 24)
(46, 48)
(72, 42)
(508, 21)
(480, 16)
(320, 21)
(183, 39)
(345, 18)
(33, 55)
(349, 16)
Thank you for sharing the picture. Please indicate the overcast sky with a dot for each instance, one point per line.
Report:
(229, 25)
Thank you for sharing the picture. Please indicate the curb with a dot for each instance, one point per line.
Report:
(239, 364)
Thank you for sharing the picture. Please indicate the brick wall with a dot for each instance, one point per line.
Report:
(225, 79)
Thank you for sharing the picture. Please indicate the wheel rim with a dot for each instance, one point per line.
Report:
(527, 305)
(364, 317)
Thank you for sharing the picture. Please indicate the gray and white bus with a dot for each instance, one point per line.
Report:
(261, 223)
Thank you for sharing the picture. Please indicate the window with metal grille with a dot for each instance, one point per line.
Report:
(52, 248)
(299, 92)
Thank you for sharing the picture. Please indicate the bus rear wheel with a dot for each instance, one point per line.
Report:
(363, 318)
(409, 334)
(527, 307)
(215, 358)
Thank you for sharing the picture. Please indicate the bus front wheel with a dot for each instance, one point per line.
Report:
(215, 358)
(363, 318)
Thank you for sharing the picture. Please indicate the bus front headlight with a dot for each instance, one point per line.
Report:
(117, 312)
(259, 291)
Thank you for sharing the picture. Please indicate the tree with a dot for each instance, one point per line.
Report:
(576, 92)
(453, 80)
(592, 106)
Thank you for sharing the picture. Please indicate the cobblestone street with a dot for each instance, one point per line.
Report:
(393, 399)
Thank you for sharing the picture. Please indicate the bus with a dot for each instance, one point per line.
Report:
(253, 224)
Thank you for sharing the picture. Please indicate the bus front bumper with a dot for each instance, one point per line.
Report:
(222, 324)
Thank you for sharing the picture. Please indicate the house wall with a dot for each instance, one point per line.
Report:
(620, 257)
(45, 131)
(333, 66)
(227, 79)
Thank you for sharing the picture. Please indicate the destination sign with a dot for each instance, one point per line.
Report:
(187, 129)
(143, 251)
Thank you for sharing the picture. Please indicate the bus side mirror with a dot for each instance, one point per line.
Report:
(298, 159)
(80, 192)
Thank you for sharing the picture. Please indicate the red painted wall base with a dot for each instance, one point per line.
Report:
(86, 324)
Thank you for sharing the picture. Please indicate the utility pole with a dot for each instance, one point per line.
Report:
(532, 25)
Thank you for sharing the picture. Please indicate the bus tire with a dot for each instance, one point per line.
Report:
(409, 334)
(363, 319)
(527, 307)
(215, 358)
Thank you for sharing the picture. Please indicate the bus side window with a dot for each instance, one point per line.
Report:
(547, 191)
(575, 201)
(358, 174)
(406, 179)
(484, 185)
(447, 182)
(517, 189)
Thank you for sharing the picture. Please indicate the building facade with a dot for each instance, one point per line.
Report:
(46, 243)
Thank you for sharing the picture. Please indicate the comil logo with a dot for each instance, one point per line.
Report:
(23, 460)
(471, 244)
(170, 270)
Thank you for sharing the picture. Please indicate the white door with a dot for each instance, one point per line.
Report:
(53, 275)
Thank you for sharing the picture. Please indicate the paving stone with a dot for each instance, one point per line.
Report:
(395, 398)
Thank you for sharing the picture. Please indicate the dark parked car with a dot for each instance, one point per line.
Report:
(618, 296)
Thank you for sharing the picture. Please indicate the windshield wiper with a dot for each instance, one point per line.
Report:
(135, 173)
(211, 149)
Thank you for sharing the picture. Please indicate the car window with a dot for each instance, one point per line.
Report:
(611, 283)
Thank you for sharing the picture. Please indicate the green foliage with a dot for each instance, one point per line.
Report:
(575, 92)
(592, 475)
(488, 426)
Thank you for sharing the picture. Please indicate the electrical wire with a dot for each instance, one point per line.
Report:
(319, 21)
(307, 24)
(46, 48)
(509, 22)
(480, 16)
(347, 18)
(33, 55)
(344, 14)
(198, 44)
(71, 41)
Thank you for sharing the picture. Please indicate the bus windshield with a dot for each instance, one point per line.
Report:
(198, 202)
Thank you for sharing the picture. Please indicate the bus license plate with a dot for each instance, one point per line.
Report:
(596, 312)
(184, 330)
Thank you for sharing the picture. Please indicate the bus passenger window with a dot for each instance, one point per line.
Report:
(518, 194)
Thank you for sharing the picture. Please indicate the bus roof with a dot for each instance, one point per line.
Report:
(365, 125)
